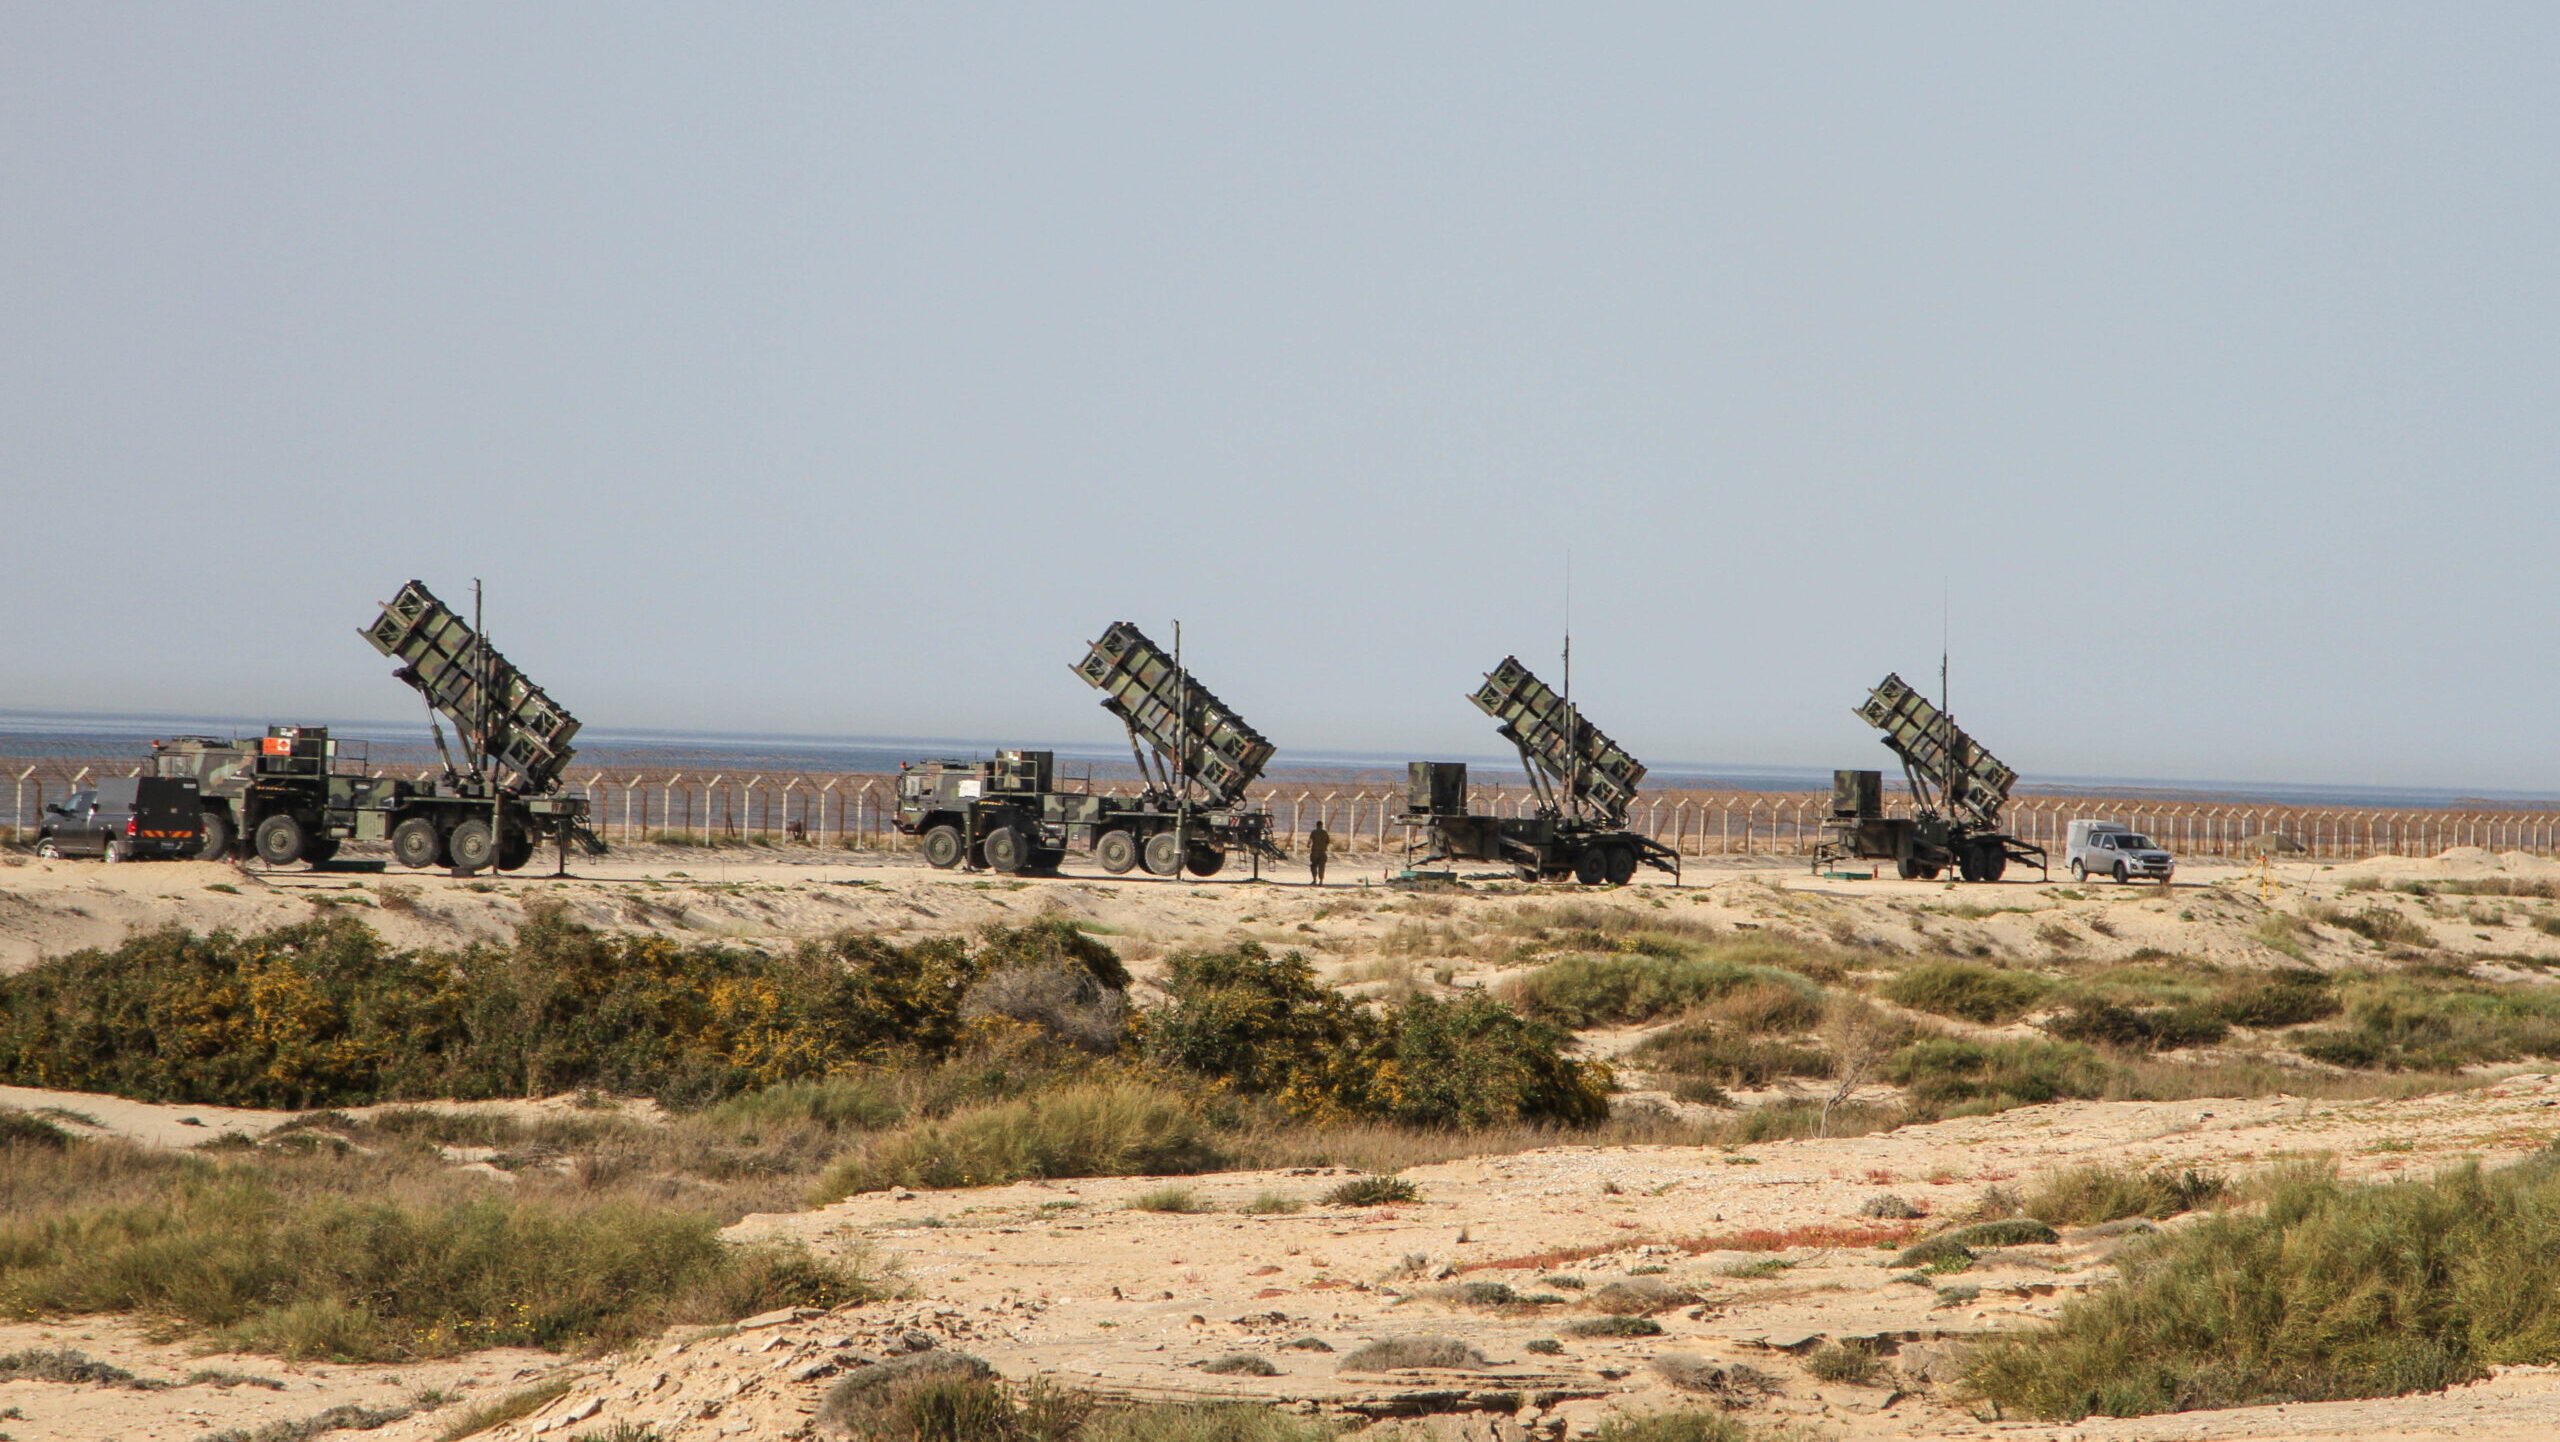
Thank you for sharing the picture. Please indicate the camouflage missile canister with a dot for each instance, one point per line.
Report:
(1600, 772)
(1174, 714)
(1975, 784)
(437, 651)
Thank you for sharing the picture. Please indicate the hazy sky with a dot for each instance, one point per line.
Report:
(843, 370)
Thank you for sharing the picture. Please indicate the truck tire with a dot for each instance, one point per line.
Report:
(414, 842)
(515, 849)
(1161, 857)
(2078, 871)
(217, 836)
(113, 851)
(1591, 868)
(1622, 865)
(49, 849)
(2121, 876)
(280, 839)
(1005, 850)
(1117, 851)
(1993, 862)
(1045, 860)
(1910, 869)
(323, 848)
(943, 847)
(471, 847)
(1206, 861)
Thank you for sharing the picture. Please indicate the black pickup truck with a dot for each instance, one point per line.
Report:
(125, 818)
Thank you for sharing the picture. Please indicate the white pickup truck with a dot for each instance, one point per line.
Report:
(2108, 848)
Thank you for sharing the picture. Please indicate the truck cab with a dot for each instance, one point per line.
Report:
(124, 818)
(2109, 848)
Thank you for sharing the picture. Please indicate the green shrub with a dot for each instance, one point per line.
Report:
(1843, 1363)
(2164, 1028)
(2332, 1291)
(1973, 993)
(1373, 1192)
(1240, 1364)
(1272, 1204)
(1673, 1427)
(1723, 1055)
(1093, 1129)
(2291, 998)
(2382, 925)
(324, 1014)
(318, 1275)
(1616, 990)
(1390, 1354)
(1266, 1027)
(1169, 1199)
(1614, 1327)
(1943, 1072)
(2087, 1195)
(2404, 1023)
(23, 1129)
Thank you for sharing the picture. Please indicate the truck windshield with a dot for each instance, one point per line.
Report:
(2129, 842)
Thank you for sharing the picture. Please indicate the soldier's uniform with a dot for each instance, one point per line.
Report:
(1319, 841)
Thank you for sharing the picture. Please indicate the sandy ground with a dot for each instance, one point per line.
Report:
(774, 898)
(1066, 1280)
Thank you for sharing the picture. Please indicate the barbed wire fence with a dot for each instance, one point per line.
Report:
(856, 811)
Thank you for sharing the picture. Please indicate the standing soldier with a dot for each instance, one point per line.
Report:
(1319, 841)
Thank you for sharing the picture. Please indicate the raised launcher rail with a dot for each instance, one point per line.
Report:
(1948, 770)
(1192, 733)
(1575, 769)
(1584, 783)
(439, 654)
(1957, 792)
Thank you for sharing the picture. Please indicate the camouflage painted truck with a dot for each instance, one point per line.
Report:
(290, 796)
(1196, 755)
(283, 797)
(1957, 792)
(1583, 783)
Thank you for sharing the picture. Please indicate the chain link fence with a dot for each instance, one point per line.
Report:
(856, 811)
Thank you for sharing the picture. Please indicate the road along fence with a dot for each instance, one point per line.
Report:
(857, 811)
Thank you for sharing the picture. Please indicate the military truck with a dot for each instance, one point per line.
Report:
(1197, 756)
(507, 797)
(289, 796)
(1583, 783)
(283, 797)
(1957, 791)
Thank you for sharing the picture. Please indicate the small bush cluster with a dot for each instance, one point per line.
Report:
(1620, 989)
(2088, 1195)
(2330, 1291)
(1972, 993)
(325, 1014)
(311, 1259)
(1946, 1074)
(2406, 1023)
(1264, 1027)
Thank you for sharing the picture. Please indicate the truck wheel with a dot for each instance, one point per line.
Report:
(217, 837)
(1622, 865)
(114, 850)
(1045, 860)
(1005, 849)
(1206, 861)
(515, 850)
(1161, 857)
(1910, 869)
(2078, 871)
(2120, 873)
(1591, 868)
(471, 846)
(280, 839)
(1992, 862)
(942, 847)
(49, 849)
(414, 843)
(1117, 851)
(322, 848)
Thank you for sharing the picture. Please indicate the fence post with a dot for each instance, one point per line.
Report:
(18, 805)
